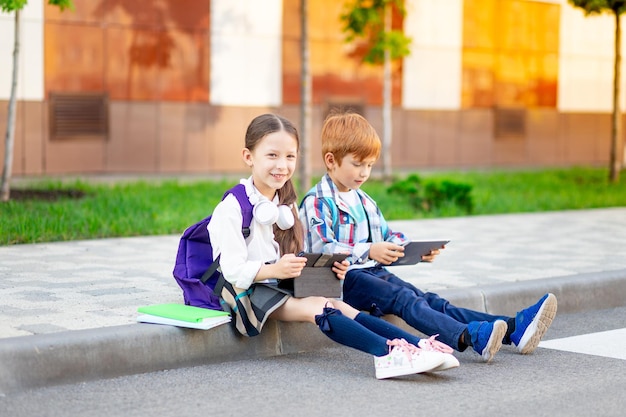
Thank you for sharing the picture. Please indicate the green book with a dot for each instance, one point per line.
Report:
(181, 312)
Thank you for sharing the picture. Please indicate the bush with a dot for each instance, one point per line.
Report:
(433, 195)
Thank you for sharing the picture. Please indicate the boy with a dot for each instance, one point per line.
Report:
(339, 217)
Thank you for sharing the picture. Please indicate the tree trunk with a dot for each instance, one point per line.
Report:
(616, 125)
(387, 127)
(305, 101)
(5, 187)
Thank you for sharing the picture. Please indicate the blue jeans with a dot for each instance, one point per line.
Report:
(380, 292)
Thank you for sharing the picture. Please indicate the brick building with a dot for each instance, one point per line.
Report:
(169, 86)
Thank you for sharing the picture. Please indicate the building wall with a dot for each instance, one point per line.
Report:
(245, 39)
(433, 71)
(30, 73)
(586, 62)
(488, 83)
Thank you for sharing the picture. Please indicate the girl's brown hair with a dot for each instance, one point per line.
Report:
(349, 133)
(290, 240)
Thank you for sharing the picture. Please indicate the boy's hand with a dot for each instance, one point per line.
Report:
(386, 252)
(340, 269)
(431, 256)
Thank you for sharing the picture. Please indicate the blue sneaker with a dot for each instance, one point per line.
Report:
(532, 323)
(487, 337)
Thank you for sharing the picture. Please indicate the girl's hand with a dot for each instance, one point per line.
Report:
(340, 268)
(386, 252)
(289, 266)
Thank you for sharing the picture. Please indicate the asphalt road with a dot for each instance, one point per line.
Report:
(340, 381)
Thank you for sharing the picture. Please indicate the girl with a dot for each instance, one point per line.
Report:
(254, 266)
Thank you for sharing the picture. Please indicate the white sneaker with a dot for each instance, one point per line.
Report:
(449, 362)
(406, 360)
(433, 345)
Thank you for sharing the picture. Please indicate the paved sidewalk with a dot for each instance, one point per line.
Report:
(69, 296)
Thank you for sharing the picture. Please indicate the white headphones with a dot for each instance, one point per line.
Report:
(267, 212)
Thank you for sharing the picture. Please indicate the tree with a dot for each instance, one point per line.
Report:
(616, 7)
(370, 20)
(305, 100)
(16, 6)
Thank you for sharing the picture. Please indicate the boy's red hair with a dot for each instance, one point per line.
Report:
(349, 133)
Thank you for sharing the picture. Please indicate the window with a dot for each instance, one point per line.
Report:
(74, 115)
(509, 123)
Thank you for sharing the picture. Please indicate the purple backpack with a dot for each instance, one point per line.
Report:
(195, 272)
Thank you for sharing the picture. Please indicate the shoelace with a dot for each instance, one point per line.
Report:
(406, 347)
(431, 344)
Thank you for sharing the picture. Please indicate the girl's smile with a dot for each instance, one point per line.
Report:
(273, 162)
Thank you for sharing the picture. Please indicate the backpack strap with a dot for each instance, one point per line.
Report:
(239, 191)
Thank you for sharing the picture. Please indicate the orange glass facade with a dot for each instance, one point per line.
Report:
(159, 50)
(510, 54)
(337, 70)
(134, 50)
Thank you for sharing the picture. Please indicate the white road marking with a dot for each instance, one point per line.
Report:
(610, 344)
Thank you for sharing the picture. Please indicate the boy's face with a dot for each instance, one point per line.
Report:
(351, 174)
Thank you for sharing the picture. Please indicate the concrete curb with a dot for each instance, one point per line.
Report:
(581, 292)
(68, 357)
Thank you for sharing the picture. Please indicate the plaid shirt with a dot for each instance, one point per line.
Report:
(331, 228)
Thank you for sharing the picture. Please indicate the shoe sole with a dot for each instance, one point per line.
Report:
(538, 327)
(495, 340)
(449, 363)
(432, 362)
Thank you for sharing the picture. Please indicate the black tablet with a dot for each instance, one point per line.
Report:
(322, 259)
(414, 250)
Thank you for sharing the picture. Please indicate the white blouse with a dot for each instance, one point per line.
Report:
(240, 258)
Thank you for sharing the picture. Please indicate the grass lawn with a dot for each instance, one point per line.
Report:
(86, 210)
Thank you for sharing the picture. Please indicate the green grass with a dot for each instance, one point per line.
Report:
(167, 207)
(497, 192)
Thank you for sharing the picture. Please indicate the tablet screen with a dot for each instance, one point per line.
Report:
(414, 251)
(322, 259)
